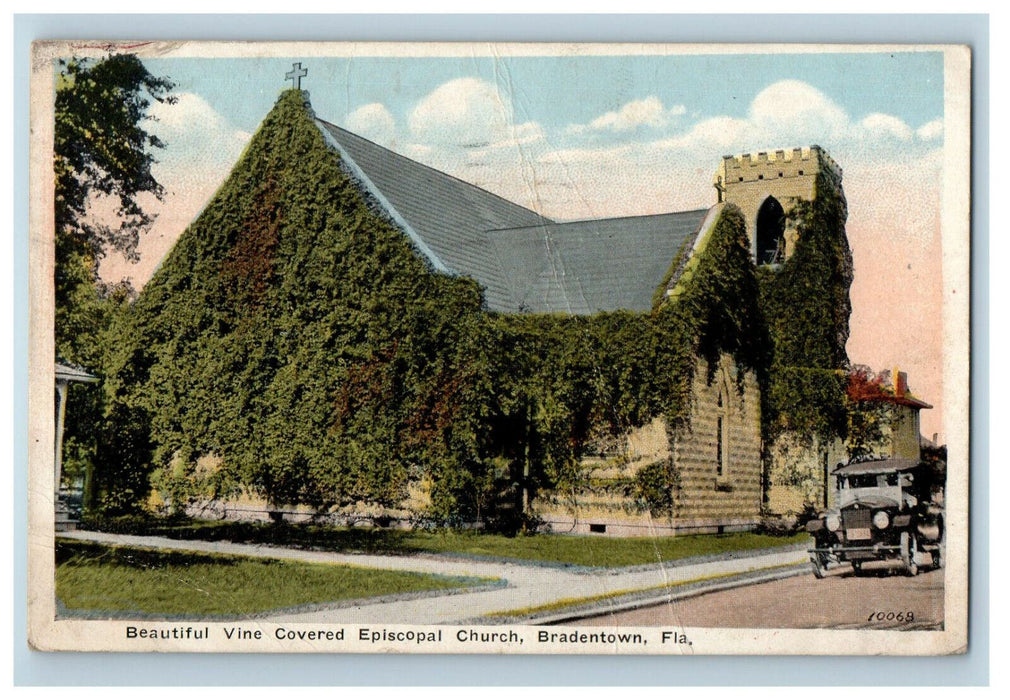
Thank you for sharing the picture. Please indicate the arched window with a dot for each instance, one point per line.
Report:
(722, 435)
(771, 226)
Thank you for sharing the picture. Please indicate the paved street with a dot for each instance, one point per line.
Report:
(839, 601)
(526, 585)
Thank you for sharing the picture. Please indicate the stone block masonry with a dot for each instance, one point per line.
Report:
(717, 460)
(788, 176)
(718, 456)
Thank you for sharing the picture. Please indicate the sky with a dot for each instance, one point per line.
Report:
(577, 137)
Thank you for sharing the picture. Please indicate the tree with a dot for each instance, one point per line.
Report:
(871, 409)
(102, 157)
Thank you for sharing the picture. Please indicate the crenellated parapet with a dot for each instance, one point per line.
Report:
(773, 165)
(787, 176)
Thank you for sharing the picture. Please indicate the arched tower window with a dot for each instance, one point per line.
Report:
(771, 226)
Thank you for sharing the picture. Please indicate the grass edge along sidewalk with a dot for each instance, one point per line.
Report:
(124, 580)
(589, 551)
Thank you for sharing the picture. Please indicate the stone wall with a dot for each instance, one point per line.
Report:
(704, 499)
(797, 474)
(722, 493)
(797, 470)
(610, 504)
(787, 175)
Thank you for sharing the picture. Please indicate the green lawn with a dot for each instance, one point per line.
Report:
(569, 549)
(97, 577)
(598, 551)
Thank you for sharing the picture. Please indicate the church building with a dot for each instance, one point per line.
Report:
(528, 264)
(707, 469)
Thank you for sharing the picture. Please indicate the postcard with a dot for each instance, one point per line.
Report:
(499, 348)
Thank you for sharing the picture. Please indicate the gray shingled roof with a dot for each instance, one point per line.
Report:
(69, 373)
(448, 215)
(583, 267)
(525, 262)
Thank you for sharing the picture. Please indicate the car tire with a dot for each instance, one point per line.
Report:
(909, 545)
(818, 564)
(857, 568)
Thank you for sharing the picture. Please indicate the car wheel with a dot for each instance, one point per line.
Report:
(908, 549)
(819, 564)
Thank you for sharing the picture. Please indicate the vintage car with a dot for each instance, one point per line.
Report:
(885, 510)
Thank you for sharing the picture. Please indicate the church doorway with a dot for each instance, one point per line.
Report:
(771, 226)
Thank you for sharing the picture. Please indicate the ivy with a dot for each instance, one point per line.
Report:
(656, 485)
(102, 158)
(807, 308)
(296, 340)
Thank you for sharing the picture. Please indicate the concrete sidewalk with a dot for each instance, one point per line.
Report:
(526, 585)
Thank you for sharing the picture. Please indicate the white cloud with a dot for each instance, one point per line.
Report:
(466, 128)
(515, 138)
(201, 148)
(197, 138)
(188, 111)
(374, 122)
(584, 155)
(885, 126)
(716, 133)
(785, 114)
(648, 112)
(463, 112)
(675, 171)
(792, 113)
(192, 119)
(792, 108)
(527, 132)
(930, 130)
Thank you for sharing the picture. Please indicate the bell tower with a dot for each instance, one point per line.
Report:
(767, 186)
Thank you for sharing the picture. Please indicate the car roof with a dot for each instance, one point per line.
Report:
(878, 466)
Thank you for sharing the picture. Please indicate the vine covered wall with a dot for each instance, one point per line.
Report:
(295, 346)
(805, 410)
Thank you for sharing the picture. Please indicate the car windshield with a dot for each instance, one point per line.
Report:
(890, 485)
(867, 481)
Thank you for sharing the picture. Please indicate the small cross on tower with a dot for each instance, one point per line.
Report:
(296, 74)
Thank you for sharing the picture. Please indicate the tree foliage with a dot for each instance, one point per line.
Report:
(295, 335)
(102, 149)
(102, 157)
(871, 410)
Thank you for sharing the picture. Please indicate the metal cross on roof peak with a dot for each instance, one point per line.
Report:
(296, 74)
